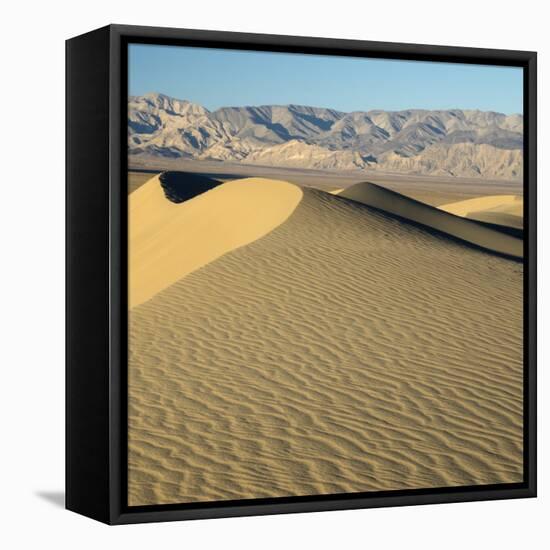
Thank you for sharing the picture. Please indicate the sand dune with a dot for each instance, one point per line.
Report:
(506, 210)
(346, 350)
(168, 240)
(378, 197)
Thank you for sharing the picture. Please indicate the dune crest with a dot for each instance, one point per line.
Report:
(169, 240)
(504, 210)
(466, 230)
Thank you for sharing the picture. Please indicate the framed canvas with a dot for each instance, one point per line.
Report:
(301, 274)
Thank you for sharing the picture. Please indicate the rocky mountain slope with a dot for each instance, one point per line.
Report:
(450, 143)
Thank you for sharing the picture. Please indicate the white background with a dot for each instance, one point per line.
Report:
(32, 272)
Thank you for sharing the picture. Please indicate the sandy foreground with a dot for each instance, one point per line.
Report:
(303, 343)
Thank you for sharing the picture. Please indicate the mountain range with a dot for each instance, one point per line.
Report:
(453, 142)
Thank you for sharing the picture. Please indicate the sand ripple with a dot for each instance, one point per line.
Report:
(344, 351)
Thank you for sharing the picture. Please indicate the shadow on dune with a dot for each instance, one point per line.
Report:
(433, 220)
(450, 236)
(182, 186)
(213, 175)
(514, 231)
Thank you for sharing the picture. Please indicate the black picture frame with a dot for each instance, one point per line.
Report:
(96, 268)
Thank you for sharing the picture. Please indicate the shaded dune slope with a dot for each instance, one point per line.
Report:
(181, 186)
(345, 350)
(168, 240)
(439, 219)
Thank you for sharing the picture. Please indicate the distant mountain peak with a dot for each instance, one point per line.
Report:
(168, 104)
(476, 143)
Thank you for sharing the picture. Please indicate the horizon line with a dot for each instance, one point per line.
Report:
(320, 107)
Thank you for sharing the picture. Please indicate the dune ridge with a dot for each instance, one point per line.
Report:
(505, 210)
(394, 203)
(345, 350)
(207, 219)
(168, 239)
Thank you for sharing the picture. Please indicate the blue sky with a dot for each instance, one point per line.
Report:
(221, 78)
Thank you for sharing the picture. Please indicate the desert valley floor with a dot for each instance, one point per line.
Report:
(290, 340)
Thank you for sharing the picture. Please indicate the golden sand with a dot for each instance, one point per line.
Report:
(168, 240)
(345, 350)
(436, 218)
(504, 210)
